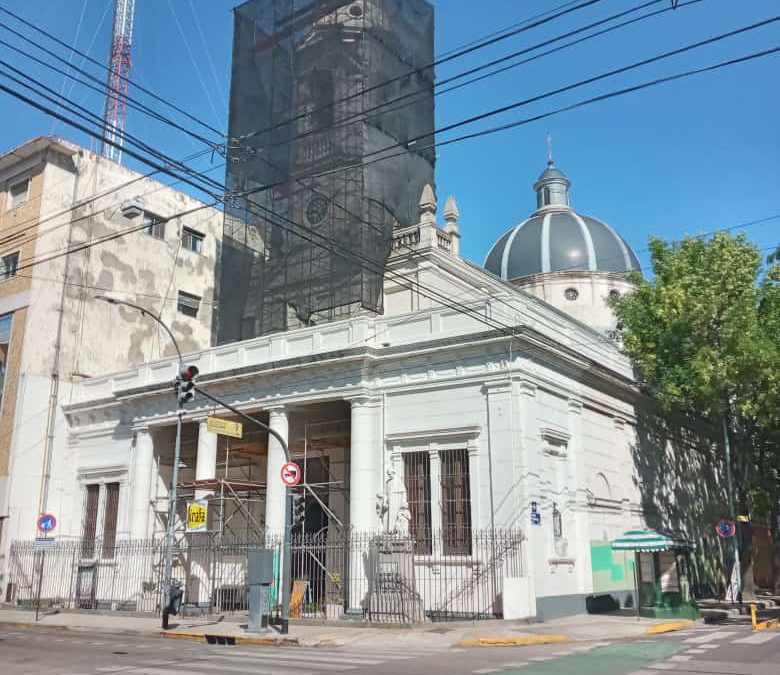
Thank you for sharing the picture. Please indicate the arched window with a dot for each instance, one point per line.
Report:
(546, 196)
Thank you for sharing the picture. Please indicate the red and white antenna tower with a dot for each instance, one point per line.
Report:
(118, 78)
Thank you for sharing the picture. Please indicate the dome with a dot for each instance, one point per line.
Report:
(556, 238)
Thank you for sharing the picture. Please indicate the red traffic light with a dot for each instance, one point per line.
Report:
(189, 372)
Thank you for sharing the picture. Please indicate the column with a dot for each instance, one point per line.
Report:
(365, 483)
(206, 461)
(142, 484)
(365, 464)
(275, 490)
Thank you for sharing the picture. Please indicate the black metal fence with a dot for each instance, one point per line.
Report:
(378, 577)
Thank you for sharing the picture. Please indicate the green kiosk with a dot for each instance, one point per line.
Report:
(662, 574)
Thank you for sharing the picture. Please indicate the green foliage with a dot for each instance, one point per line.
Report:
(704, 335)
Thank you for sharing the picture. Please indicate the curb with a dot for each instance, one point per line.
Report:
(670, 627)
(227, 639)
(512, 641)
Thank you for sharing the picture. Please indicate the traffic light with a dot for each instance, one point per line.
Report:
(298, 509)
(185, 383)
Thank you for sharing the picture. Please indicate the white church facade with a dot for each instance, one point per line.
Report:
(482, 401)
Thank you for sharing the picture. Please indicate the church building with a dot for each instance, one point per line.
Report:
(485, 416)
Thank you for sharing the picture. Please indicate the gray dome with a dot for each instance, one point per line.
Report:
(559, 241)
(556, 238)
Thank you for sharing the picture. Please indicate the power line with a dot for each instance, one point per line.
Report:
(437, 62)
(104, 67)
(599, 98)
(419, 96)
(101, 88)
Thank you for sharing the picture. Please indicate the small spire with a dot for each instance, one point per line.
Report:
(428, 200)
(550, 161)
(451, 213)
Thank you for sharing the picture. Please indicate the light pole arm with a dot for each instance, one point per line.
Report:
(146, 312)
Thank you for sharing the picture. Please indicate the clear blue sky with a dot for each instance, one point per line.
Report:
(682, 158)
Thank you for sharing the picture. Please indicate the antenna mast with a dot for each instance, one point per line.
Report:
(118, 78)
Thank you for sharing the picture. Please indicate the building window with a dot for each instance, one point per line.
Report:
(188, 304)
(154, 226)
(18, 193)
(571, 294)
(614, 294)
(455, 502)
(100, 520)
(90, 521)
(109, 519)
(9, 264)
(192, 240)
(547, 196)
(5, 345)
(417, 478)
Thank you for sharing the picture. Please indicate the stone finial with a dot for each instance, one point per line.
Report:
(428, 203)
(451, 213)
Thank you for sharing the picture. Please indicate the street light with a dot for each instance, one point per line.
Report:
(169, 531)
(184, 389)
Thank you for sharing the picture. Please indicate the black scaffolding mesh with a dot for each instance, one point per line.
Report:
(309, 221)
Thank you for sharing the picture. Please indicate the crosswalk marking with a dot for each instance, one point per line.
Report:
(296, 663)
(279, 656)
(757, 639)
(485, 671)
(712, 637)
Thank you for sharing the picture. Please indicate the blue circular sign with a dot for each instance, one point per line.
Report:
(726, 528)
(46, 523)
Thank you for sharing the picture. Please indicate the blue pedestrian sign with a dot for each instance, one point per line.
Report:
(46, 523)
(534, 507)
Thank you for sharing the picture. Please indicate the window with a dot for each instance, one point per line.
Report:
(109, 519)
(9, 264)
(154, 226)
(455, 502)
(18, 193)
(5, 343)
(571, 294)
(192, 240)
(90, 521)
(93, 517)
(547, 196)
(614, 294)
(188, 304)
(417, 478)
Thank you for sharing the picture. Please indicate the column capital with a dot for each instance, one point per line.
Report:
(141, 430)
(575, 406)
(364, 400)
(276, 410)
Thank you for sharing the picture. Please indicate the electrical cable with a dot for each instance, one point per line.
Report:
(722, 64)
(436, 62)
(104, 67)
(421, 96)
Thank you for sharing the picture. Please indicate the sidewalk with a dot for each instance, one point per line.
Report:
(429, 636)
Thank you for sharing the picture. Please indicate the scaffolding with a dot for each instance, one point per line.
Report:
(300, 125)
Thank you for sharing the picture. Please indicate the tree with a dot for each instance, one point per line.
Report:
(704, 335)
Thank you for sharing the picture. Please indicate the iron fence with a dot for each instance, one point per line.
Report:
(375, 576)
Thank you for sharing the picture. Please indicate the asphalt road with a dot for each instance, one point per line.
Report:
(727, 650)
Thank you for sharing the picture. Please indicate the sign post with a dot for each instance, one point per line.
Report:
(45, 524)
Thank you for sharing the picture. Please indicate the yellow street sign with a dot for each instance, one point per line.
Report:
(197, 516)
(225, 427)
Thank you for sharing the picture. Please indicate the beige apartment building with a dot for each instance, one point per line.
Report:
(74, 225)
